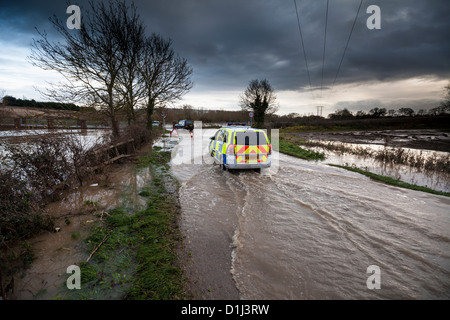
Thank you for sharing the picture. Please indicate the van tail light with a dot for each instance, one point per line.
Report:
(270, 149)
(230, 149)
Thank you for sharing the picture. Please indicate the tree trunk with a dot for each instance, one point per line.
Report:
(115, 126)
(150, 108)
(259, 111)
(131, 116)
(112, 114)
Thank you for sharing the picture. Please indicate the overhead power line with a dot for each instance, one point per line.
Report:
(303, 46)
(324, 45)
(346, 45)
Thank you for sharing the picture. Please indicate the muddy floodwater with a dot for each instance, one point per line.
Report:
(305, 230)
(54, 252)
(436, 180)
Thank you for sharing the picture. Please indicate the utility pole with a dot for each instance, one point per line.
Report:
(319, 110)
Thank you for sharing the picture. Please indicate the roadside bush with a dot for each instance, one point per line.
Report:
(140, 134)
(43, 164)
(20, 216)
(49, 163)
(82, 158)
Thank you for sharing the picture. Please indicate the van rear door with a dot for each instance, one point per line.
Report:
(251, 146)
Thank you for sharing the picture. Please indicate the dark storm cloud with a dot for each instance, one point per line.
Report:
(231, 42)
(19, 19)
(411, 43)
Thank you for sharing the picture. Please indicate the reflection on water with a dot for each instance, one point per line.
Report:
(85, 134)
(24, 138)
(167, 143)
(435, 180)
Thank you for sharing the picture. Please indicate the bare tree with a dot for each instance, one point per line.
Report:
(130, 86)
(447, 91)
(360, 114)
(421, 112)
(444, 106)
(391, 112)
(166, 76)
(188, 111)
(2, 95)
(377, 112)
(341, 114)
(406, 112)
(259, 97)
(91, 58)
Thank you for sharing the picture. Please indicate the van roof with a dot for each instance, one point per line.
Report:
(242, 124)
(240, 127)
(236, 125)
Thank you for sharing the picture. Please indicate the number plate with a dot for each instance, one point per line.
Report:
(251, 158)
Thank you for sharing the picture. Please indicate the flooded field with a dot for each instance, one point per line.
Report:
(305, 230)
(415, 139)
(87, 137)
(55, 251)
(418, 175)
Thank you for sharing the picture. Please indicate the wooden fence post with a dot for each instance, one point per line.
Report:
(50, 124)
(17, 124)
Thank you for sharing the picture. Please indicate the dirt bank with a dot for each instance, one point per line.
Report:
(25, 112)
(415, 139)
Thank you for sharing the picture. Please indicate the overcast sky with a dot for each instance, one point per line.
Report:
(230, 42)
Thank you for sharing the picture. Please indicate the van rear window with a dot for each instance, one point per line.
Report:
(250, 138)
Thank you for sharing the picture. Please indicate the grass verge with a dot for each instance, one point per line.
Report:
(296, 151)
(392, 181)
(137, 258)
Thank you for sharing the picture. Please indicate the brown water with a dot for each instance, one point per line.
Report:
(55, 251)
(305, 230)
(419, 176)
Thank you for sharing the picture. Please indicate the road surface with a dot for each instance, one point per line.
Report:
(305, 230)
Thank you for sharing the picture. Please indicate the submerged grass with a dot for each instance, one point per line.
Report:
(138, 259)
(296, 151)
(392, 181)
(289, 145)
(394, 155)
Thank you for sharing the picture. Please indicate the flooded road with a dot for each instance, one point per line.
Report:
(305, 230)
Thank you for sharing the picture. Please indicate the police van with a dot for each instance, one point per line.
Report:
(238, 146)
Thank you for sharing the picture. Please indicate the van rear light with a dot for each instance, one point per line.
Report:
(230, 149)
(270, 149)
